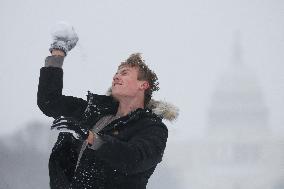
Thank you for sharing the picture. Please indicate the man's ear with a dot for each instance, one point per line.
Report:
(144, 85)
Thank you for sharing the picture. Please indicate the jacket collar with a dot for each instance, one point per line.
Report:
(102, 105)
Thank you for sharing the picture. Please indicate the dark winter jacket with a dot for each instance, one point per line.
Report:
(132, 145)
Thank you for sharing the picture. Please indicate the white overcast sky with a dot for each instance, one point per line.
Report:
(188, 43)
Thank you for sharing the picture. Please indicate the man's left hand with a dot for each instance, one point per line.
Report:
(91, 138)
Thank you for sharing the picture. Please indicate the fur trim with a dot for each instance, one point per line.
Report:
(164, 109)
(161, 108)
(108, 93)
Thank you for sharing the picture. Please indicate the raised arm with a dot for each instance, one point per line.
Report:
(49, 96)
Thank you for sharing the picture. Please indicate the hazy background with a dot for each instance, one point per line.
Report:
(188, 43)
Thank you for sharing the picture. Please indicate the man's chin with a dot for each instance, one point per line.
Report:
(115, 94)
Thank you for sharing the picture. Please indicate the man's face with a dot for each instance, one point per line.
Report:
(125, 83)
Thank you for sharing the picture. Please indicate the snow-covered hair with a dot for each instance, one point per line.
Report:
(144, 74)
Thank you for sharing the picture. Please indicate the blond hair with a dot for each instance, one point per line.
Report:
(144, 74)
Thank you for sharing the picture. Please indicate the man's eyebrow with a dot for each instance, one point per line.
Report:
(123, 70)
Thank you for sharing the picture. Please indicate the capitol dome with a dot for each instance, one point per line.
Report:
(237, 106)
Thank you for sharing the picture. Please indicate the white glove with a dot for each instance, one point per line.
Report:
(64, 37)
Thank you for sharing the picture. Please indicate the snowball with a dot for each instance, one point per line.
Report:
(63, 30)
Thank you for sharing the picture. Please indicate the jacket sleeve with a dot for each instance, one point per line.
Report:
(142, 152)
(50, 99)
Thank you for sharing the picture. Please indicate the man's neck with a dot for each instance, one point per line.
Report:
(128, 105)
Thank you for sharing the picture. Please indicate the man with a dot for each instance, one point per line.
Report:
(106, 142)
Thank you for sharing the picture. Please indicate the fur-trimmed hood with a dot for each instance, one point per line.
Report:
(163, 109)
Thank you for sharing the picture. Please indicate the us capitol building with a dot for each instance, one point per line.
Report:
(239, 150)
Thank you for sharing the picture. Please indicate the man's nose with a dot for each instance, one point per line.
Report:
(116, 77)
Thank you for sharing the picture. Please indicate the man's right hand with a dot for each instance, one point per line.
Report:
(57, 52)
(64, 38)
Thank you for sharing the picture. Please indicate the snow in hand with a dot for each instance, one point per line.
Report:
(63, 30)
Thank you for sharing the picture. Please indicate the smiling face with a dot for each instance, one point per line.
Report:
(125, 83)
